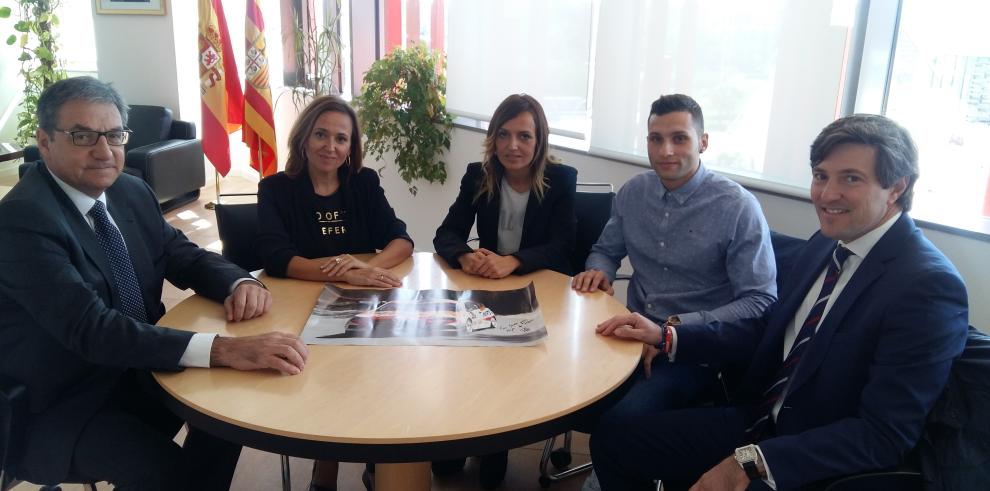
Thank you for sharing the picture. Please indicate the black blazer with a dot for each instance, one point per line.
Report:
(548, 228)
(60, 332)
(285, 227)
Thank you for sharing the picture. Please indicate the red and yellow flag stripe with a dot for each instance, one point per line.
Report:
(220, 88)
(259, 123)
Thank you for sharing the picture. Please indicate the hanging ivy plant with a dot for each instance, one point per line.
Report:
(39, 65)
(402, 107)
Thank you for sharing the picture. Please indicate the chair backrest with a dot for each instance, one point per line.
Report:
(592, 210)
(150, 124)
(785, 252)
(238, 226)
(13, 407)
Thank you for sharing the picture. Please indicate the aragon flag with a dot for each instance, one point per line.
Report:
(219, 86)
(259, 123)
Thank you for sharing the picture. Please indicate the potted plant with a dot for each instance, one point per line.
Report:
(402, 107)
(39, 66)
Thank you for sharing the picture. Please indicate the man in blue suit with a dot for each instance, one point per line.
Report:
(843, 369)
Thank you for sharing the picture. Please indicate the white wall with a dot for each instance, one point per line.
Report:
(424, 212)
(137, 54)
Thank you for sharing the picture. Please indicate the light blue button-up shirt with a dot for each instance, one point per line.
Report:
(701, 252)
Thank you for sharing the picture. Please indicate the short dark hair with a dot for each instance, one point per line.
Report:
(86, 89)
(295, 164)
(896, 153)
(672, 103)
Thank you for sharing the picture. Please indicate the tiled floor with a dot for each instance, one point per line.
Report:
(259, 470)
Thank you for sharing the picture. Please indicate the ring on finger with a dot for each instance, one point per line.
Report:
(381, 277)
(336, 260)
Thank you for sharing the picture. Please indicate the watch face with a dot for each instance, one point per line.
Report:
(746, 454)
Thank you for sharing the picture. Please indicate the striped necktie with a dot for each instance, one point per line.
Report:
(761, 413)
(113, 246)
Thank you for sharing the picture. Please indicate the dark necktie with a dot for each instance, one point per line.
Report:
(762, 412)
(120, 263)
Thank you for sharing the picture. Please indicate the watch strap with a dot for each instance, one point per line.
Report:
(751, 470)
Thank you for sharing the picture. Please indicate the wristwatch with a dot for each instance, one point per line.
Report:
(747, 457)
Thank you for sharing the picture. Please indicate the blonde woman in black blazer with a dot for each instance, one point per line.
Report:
(533, 232)
(516, 153)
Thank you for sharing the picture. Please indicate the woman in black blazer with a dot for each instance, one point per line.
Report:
(522, 198)
(523, 201)
(325, 206)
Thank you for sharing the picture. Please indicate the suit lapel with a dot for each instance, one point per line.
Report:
(872, 268)
(84, 234)
(771, 354)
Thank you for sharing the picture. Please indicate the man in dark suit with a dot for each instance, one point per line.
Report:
(82, 260)
(843, 369)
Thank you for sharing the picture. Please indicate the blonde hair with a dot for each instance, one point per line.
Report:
(492, 169)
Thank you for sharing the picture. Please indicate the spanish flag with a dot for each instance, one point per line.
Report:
(219, 85)
(259, 124)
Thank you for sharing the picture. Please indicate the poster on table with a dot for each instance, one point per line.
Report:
(425, 317)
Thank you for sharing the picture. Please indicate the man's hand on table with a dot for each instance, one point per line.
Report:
(631, 326)
(274, 350)
(249, 300)
(592, 280)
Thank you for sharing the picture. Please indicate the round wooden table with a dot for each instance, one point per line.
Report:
(401, 406)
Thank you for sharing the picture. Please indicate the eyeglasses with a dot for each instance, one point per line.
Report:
(88, 138)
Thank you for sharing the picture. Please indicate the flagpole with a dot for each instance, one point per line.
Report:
(261, 164)
(216, 183)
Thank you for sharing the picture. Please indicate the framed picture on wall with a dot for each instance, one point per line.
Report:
(132, 7)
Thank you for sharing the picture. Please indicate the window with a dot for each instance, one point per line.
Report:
(541, 48)
(316, 45)
(940, 90)
(769, 78)
(77, 43)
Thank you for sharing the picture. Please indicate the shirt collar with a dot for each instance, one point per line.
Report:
(83, 201)
(684, 192)
(864, 244)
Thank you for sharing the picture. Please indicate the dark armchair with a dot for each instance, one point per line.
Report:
(162, 151)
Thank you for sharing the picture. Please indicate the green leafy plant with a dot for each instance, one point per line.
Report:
(403, 109)
(39, 65)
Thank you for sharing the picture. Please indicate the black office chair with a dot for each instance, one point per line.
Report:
(592, 210)
(237, 224)
(13, 415)
(956, 430)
